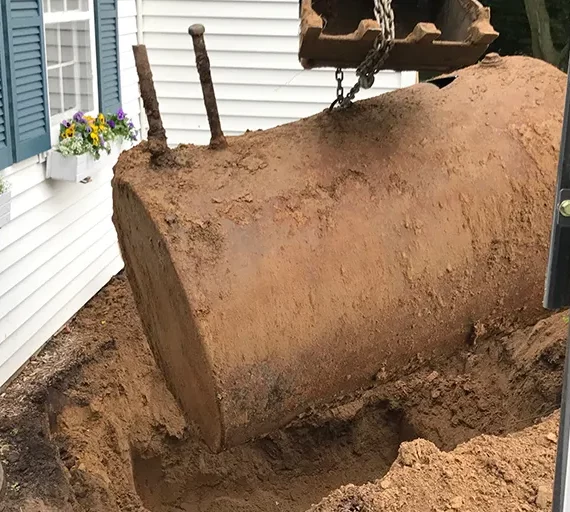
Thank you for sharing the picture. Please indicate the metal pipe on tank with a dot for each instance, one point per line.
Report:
(218, 141)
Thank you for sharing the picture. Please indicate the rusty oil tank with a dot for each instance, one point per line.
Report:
(303, 261)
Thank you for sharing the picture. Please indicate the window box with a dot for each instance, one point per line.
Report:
(77, 168)
(88, 144)
(5, 207)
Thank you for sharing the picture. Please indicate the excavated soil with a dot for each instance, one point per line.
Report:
(488, 474)
(90, 426)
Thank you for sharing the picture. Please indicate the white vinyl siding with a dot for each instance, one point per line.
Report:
(257, 76)
(60, 247)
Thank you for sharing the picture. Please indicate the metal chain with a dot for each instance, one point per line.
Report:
(339, 75)
(375, 57)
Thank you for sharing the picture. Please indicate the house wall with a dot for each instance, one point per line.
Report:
(253, 46)
(60, 246)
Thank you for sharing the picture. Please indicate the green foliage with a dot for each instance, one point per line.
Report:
(559, 11)
(3, 185)
(510, 19)
(121, 126)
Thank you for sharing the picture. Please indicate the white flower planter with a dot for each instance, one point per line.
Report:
(77, 168)
(5, 206)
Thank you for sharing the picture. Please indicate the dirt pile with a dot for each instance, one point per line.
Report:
(91, 427)
(301, 260)
(488, 474)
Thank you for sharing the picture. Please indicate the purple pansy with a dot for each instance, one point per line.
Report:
(111, 124)
(66, 124)
(88, 129)
(78, 117)
(120, 114)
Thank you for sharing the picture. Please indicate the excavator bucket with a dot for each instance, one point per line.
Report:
(431, 35)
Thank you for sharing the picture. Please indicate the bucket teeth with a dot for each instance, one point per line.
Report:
(430, 36)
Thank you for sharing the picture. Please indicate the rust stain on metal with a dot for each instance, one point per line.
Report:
(161, 155)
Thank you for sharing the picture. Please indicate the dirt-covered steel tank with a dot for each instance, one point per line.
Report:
(308, 260)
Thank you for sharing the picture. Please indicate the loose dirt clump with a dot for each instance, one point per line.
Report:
(90, 426)
(487, 474)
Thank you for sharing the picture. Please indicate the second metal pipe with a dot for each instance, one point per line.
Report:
(218, 140)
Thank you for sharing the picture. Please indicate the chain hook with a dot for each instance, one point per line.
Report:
(366, 81)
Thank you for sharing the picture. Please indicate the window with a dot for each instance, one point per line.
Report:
(70, 56)
(56, 57)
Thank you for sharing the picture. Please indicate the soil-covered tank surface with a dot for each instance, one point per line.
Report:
(90, 426)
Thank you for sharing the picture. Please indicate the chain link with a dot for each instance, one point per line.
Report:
(373, 61)
(339, 75)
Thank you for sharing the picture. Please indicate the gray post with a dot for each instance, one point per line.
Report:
(557, 295)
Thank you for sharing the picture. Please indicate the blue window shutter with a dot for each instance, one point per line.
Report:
(6, 157)
(26, 73)
(108, 65)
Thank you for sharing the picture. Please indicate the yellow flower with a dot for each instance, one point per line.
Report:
(89, 119)
(101, 118)
(69, 132)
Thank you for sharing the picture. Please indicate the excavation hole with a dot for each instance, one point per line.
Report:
(500, 388)
(287, 470)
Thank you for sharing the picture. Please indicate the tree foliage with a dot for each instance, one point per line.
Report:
(540, 28)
